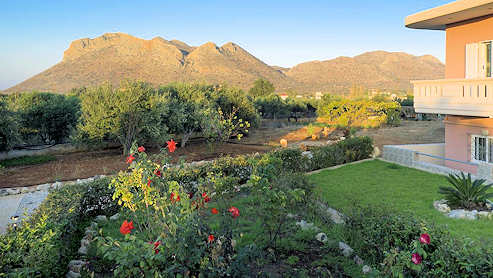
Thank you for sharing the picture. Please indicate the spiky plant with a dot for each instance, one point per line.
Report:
(465, 192)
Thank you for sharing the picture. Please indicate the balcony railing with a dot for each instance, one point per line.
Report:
(465, 97)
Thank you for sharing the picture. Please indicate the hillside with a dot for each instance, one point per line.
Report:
(115, 56)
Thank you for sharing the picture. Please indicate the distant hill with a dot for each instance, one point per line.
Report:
(115, 56)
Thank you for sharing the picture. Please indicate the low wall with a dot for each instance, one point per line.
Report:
(412, 156)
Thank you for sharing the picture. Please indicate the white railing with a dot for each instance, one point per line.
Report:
(466, 97)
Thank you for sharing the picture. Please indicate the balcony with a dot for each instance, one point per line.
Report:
(465, 97)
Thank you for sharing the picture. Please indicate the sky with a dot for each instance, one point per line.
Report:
(34, 33)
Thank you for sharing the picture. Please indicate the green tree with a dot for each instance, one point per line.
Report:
(123, 114)
(261, 87)
(9, 128)
(49, 117)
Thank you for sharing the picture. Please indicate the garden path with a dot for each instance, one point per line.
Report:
(18, 205)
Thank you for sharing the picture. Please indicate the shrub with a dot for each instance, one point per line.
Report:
(44, 243)
(9, 128)
(261, 87)
(464, 192)
(387, 240)
(45, 117)
(345, 151)
(292, 159)
(360, 113)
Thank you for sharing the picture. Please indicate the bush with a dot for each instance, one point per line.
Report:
(387, 240)
(360, 113)
(345, 151)
(292, 159)
(44, 243)
(465, 193)
(45, 117)
(261, 87)
(9, 128)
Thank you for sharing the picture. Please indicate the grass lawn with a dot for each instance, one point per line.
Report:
(403, 189)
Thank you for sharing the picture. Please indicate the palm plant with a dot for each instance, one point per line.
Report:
(464, 192)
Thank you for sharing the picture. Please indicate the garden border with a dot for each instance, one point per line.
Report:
(341, 165)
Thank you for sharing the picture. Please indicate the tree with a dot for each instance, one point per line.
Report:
(122, 114)
(261, 87)
(9, 128)
(51, 117)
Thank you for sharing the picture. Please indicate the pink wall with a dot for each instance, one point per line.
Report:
(458, 131)
(460, 34)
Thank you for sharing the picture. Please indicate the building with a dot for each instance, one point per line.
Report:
(465, 96)
(283, 96)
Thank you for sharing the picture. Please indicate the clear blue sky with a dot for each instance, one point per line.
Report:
(35, 32)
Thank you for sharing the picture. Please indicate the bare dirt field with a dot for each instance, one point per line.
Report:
(109, 161)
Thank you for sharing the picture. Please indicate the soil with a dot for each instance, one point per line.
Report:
(81, 165)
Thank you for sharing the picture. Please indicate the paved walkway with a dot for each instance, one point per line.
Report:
(18, 205)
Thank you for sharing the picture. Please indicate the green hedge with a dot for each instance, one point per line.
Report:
(43, 244)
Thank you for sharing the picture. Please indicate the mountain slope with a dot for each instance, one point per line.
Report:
(115, 56)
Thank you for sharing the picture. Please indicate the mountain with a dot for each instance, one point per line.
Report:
(115, 56)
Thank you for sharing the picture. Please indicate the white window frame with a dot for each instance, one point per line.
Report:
(476, 59)
(489, 140)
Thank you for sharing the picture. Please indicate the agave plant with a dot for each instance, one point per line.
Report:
(465, 192)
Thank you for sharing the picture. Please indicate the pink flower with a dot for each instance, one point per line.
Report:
(206, 198)
(149, 181)
(424, 238)
(141, 149)
(156, 246)
(416, 258)
(157, 173)
(214, 211)
(174, 197)
(210, 238)
(234, 212)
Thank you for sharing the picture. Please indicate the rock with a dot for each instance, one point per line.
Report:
(57, 184)
(358, 260)
(115, 216)
(101, 218)
(305, 225)
(290, 215)
(94, 225)
(83, 250)
(366, 269)
(342, 138)
(463, 214)
(376, 152)
(24, 189)
(84, 242)
(76, 265)
(322, 237)
(72, 274)
(346, 250)
(307, 154)
(336, 216)
(45, 186)
(13, 191)
(489, 204)
(3, 192)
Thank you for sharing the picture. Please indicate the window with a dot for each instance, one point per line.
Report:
(481, 148)
(479, 60)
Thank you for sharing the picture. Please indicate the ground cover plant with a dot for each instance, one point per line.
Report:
(27, 160)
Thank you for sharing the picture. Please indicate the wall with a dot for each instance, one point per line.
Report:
(460, 34)
(458, 131)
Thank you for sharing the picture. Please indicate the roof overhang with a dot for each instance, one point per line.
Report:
(438, 18)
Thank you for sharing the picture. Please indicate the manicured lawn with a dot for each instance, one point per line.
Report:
(403, 189)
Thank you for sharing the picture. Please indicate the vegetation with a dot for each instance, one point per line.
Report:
(27, 160)
(401, 189)
(9, 128)
(359, 113)
(44, 244)
(273, 107)
(45, 118)
(261, 88)
(465, 193)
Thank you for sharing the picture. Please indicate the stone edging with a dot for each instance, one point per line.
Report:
(75, 266)
(45, 186)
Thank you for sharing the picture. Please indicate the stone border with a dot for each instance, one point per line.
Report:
(45, 186)
(441, 206)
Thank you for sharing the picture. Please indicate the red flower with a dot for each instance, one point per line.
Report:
(234, 212)
(141, 149)
(214, 211)
(130, 158)
(206, 198)
(157, 173)
(149, 182)
(126, 227)
(174, 197)
(210, 238)
(171, 146)
(156, 246)
(424, 238)
(416, 258)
